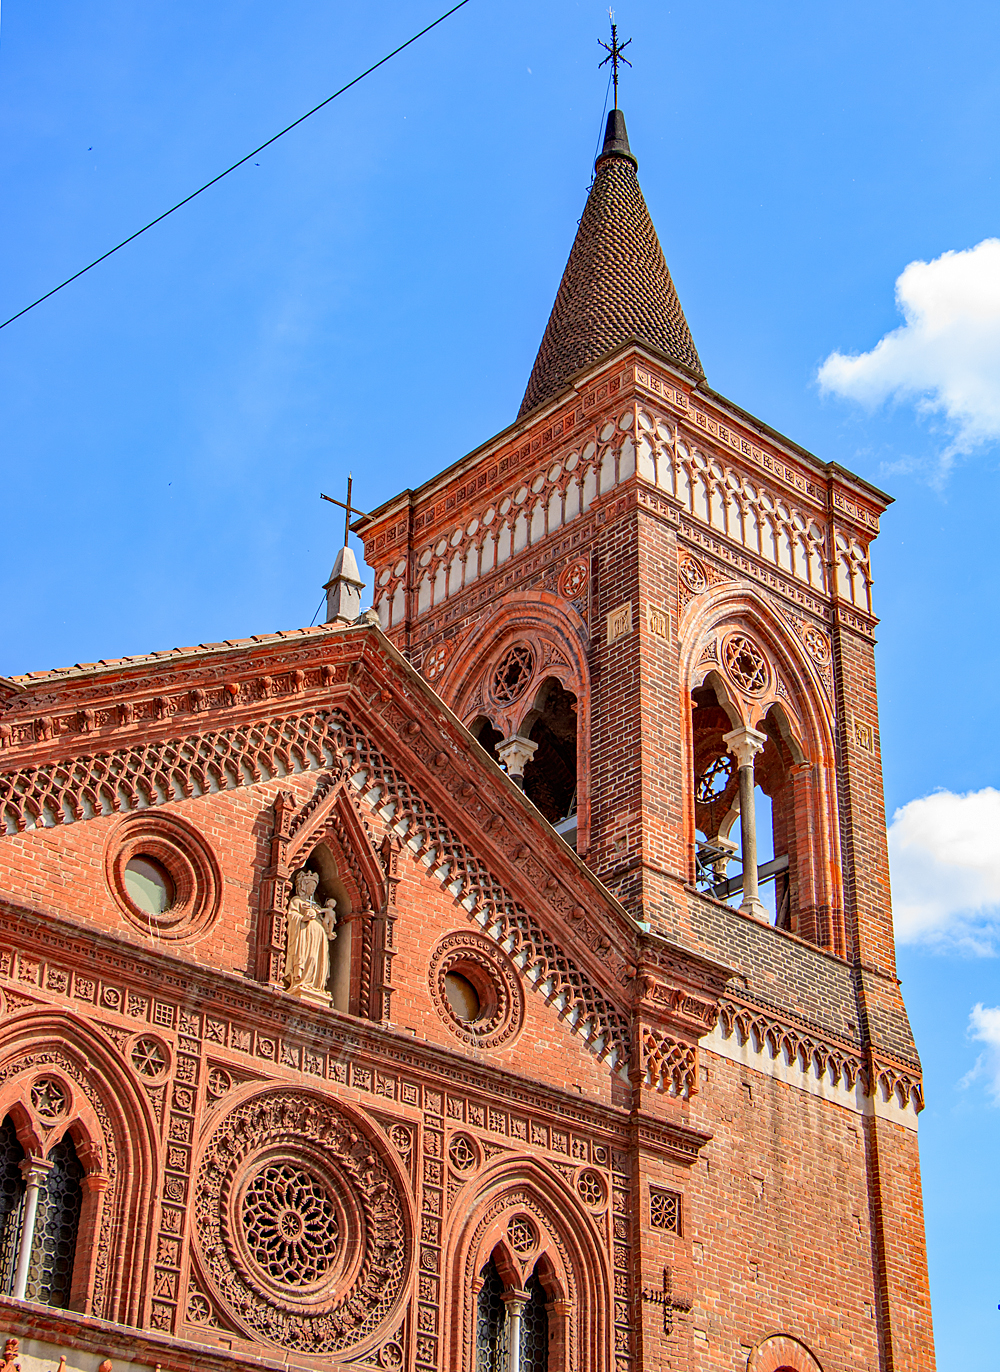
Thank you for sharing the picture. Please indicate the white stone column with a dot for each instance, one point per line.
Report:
(515, 753)
(515, 1301)
(745, 743)
(34, 1171)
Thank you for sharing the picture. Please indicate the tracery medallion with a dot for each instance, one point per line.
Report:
(745, 664)
(512, 674)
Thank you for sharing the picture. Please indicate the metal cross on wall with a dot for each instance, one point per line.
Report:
(348, 508)
(614, 51)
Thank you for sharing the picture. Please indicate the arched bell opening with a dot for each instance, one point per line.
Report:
(550, 777)
(719, 831)
(715, 783)
(332, 897)
(776, 835)
(486, 736)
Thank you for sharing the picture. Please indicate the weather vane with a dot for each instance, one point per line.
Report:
(614, 51)
(348, 509)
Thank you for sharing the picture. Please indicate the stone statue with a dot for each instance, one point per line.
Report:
(307, 951)
(11, 1353)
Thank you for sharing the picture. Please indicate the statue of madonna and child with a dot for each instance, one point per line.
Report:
(311, 929)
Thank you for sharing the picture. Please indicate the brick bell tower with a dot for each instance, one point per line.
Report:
(655, 613)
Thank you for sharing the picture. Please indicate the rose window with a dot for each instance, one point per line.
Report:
(148, 1057)
(745, 664)
(290, 1225)
(522, 1235)
(714, 779)
(513, 672)
(301, 1225)
(49, 1098)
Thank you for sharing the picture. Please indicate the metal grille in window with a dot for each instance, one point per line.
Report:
(50, 1271)
(535, 1329)
(491, 1323)
(11, 1202)
(665, 1211)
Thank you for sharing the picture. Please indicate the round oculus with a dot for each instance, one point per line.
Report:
(149, 885)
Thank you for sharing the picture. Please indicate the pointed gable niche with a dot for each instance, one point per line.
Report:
(616, 286)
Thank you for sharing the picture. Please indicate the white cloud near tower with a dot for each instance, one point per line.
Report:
(945, 358)
(944, 854)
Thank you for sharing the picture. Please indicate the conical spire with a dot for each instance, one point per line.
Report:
(616, 285)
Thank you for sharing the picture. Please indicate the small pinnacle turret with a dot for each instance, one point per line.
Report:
(616, 287)
(343, 590)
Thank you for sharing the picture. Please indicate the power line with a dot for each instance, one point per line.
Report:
(188, 198)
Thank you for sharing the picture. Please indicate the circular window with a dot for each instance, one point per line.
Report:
(463, 1153)
(163, 876)
(476, 989)
(149, 1057)
(591, 1188)
(462, 996)
(148, 885)
(50, 1098)
(713, 780)
(522, 1234)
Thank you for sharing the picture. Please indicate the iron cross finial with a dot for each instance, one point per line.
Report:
(348, 508)
(614, 51)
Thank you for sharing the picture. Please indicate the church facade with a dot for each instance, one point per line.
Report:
(501, 980)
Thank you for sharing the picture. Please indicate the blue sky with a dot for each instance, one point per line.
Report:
(371, 295)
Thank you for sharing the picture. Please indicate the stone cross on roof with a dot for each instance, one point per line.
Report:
(343, 590)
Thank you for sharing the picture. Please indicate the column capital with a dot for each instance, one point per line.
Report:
(515, 753)
(35, 1170)
(745, 743)
(515, 1301)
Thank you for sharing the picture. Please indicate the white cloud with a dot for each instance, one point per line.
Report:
(944, 852)
(984, 1024)
(946, 357)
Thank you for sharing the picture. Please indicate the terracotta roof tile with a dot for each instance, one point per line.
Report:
(616, 285)
(85, 668)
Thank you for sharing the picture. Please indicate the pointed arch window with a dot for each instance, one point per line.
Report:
(46, 1231)
(11, 1202)
(491, 1322)
(503, 1315)
(53, 1248)
(535, 1329)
